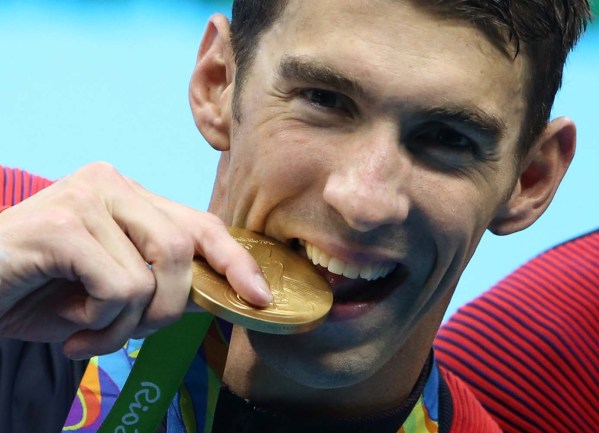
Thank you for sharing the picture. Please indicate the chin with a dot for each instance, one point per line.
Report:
(296, 361)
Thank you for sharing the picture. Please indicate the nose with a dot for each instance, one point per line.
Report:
(369, 184)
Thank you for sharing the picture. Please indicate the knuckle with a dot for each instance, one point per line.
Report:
(82, 195)
(211, 225)
(147, 284)
(63, 220)
(135, 289)
(177, 249)
(98, 173)
(144, 287)
(77, 198)
(98, 168)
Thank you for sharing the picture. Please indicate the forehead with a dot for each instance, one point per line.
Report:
(401, 54)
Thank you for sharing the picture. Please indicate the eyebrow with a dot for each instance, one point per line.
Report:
(471, 117)
(308, 71)
(298, 68)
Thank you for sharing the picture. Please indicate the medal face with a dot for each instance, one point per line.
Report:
(301, 296)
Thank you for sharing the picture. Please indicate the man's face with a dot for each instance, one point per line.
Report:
(379, 141)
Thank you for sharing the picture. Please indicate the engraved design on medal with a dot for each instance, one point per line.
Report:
(301, 296)
(292, 297)
(249, 242)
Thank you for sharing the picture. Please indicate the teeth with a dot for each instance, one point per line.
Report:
(336, 266)
(366, 272)
(324, 259)
(315, 255)
(349, 270)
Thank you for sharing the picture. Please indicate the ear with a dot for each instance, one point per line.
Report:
(211, 87)
(542, 171)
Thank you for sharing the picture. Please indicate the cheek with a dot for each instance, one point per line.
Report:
(459, 213)
(291, 160)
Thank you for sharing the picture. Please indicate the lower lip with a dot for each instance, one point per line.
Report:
(348, 311)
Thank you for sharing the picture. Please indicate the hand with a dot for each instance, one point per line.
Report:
(74, 262)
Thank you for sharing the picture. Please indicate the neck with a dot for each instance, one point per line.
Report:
(388, 388)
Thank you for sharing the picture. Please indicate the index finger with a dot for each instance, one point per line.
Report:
(227, 257)
(216, 245)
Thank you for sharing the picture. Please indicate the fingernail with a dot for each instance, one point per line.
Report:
(263, 289)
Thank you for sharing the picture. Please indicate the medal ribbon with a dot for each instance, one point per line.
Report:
(163, 360)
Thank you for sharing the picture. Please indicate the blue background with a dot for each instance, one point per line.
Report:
(82, 81)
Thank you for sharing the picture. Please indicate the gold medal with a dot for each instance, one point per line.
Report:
(301, 296)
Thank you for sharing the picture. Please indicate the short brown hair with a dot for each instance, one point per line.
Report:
(544, 30)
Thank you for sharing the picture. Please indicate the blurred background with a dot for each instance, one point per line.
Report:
(88, 80)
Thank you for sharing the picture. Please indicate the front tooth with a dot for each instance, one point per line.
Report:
(351, 271)
(336, 266)
(324, 259)
(315, 255)
(366, 272)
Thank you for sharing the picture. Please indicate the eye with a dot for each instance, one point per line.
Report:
(451, 138)
(443, 137)
(326, 99)
(444, 146)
